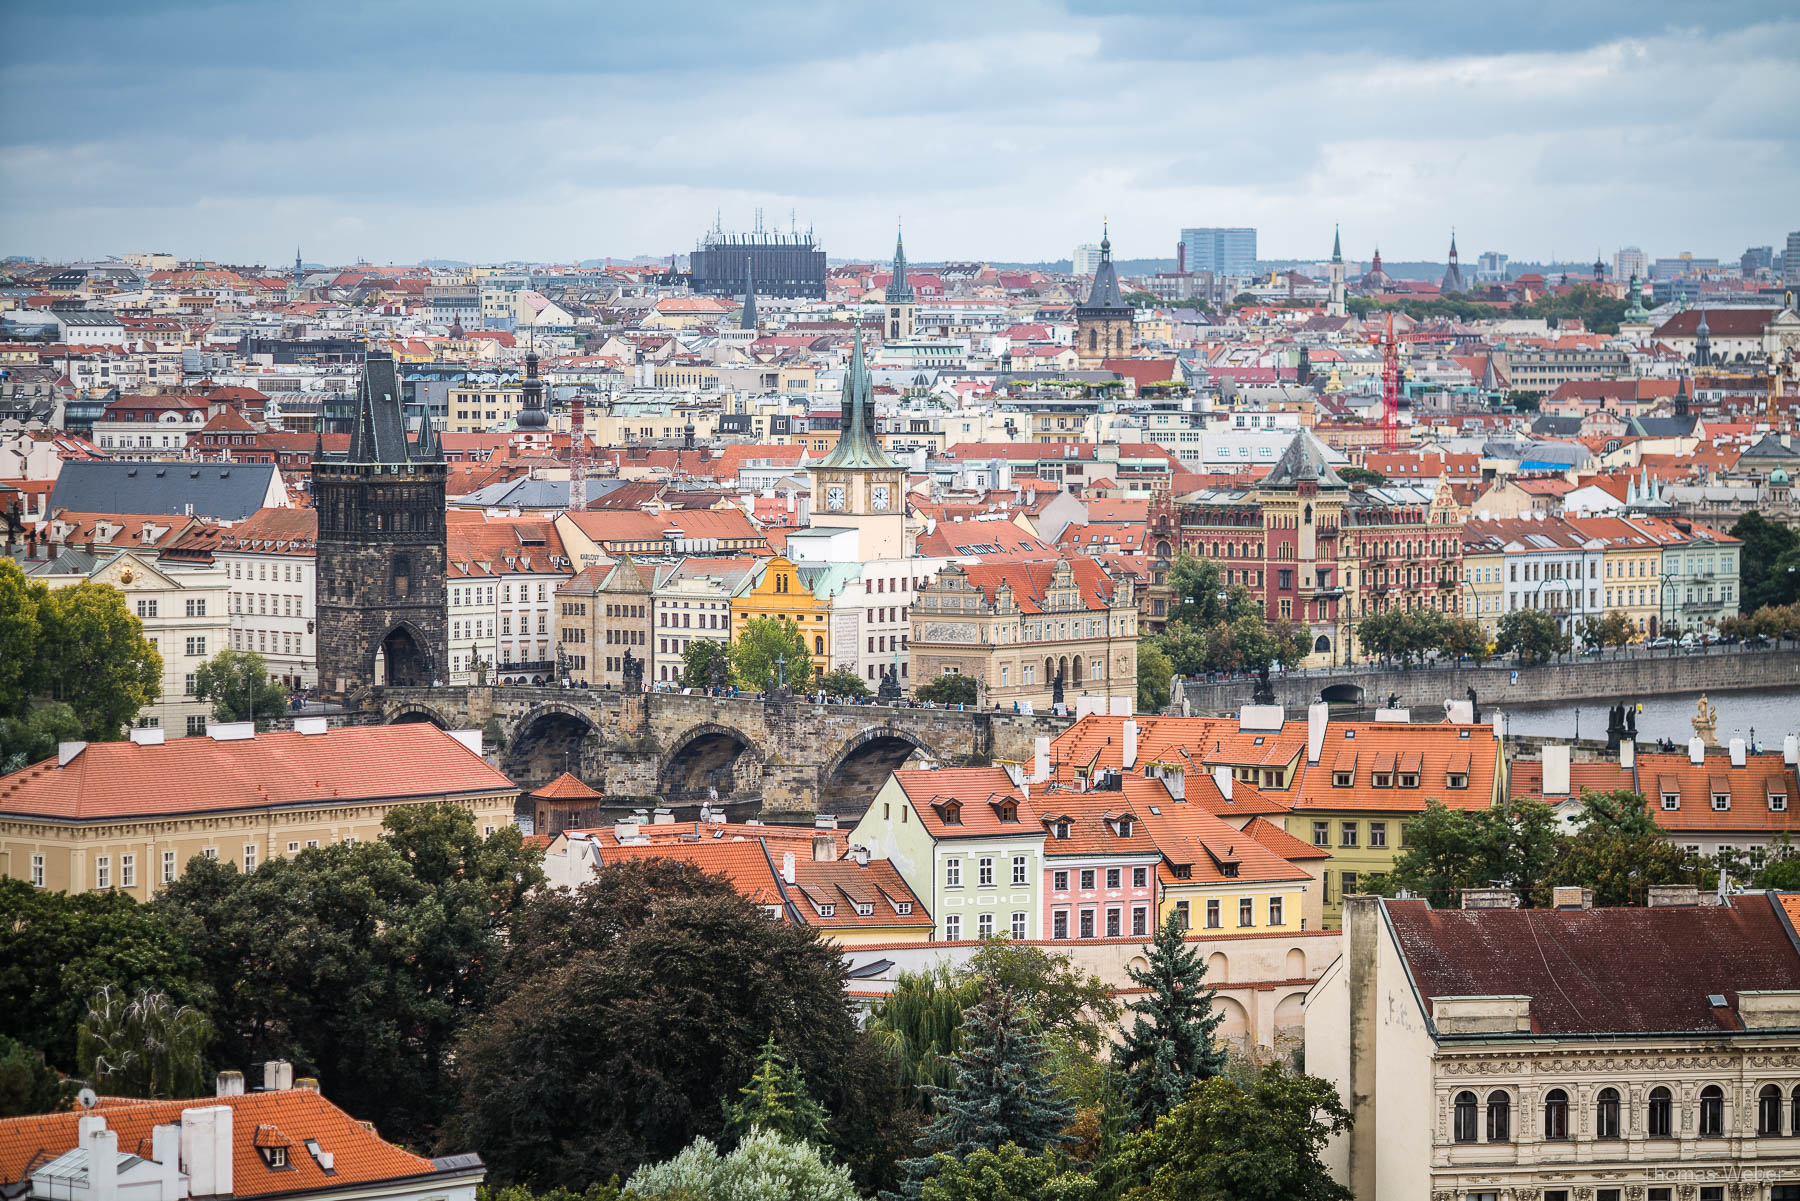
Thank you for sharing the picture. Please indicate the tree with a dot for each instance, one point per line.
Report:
(238, 685)
(1464, 638)
(1008, 1174)
(1512, 845)
(844, 682)
(1613, 628)
(776, 1100)
(1769, 550)
(1153, 674)
(1003, 1091)
(1060, 998)
(698, 663)
(361, 962)
(1169, 1044)
(32, 737)
(22, 662)
(639, 1002)
(1258, 1140)
(57, 950)
(98, 659)
(1142, 300)
(28, 1085)
(144, 1046)
(919, 1026)
(948, 690)
(762, 642)
(1532, 635)
(1620, 852)
(764, 1167)
(1362, 475)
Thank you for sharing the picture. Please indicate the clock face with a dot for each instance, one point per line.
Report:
(834, 497)
(878, 496)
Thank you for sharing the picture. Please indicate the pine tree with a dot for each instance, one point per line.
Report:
(1169, 1047)
(1004, 1091)
(776, 1100)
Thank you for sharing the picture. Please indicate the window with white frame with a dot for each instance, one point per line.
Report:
(127, 871)
(103, 871)
(952, 873)
(952, 927)
(37, 871)
(1019, 877)
(984, 872)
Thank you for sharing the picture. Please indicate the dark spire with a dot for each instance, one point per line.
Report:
(1599, 267)
(379, 435)
(899, 289)
(1337, 246)
(857, 445)
(1105, 292)
(532, 416)
(1453, 277)
(747, 320)
(1683, 397)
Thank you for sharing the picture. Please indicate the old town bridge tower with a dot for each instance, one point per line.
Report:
(381, 554)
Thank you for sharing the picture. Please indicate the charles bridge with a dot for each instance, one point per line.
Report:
(784, 755)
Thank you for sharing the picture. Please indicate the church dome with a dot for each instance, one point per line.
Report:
(1778, 477)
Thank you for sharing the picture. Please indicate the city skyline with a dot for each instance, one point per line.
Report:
(410, 132)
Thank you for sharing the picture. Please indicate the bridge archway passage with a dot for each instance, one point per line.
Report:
(1342, 694)
(413, 712)
(401, 659)
(710, 759)
(861, 766)
(546, 742)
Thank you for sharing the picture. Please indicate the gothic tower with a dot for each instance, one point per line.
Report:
(1337, 306)
(857, 486)
(1453, 276)
(899, 295)
(380, 591)
(1103, 325)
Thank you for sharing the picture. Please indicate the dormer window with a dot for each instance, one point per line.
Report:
(1409, 779)
(1721, 801)
(865, 909)
(1456, 779)
(1777, 802)
(1671, 801)
(828, 910)
(274, 1157)
(903, 908)
(1182, 871)
(1060, 828)
(952, 812)
(1382, 779)
(1125, 827)
(1008, 810)
(1342, 779)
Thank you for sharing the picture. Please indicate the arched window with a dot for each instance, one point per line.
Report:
(1556, 1114)
(1712, 1111)
(1794, 1111)
(1049, 669)
(1659, 1119)
(818, 644)
(1606, 1114)
(1499, 1117)
(1768, 1110)
(1093, 339)
(1465, 1130)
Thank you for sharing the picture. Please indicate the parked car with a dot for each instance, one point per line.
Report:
(1657, 644)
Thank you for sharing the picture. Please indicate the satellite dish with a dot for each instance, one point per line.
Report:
(87, 1098)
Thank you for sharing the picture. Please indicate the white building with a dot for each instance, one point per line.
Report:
(269, 561)
(691, 602)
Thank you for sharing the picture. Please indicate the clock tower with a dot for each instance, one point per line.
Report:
(857, 486)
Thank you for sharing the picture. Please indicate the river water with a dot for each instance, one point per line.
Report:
(1771, 712)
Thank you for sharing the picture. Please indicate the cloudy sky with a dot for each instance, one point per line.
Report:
(560, 129)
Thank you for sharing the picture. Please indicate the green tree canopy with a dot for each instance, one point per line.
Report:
(1169, 1044)
(238, 685)
(1362, 475)
(1511, 845)
(760, 644)
(1620, 852)
(764, 1167)
(1008, 1174)
(919, 1026)
(1258, 1140)
(28, 1085)
(1532, 635)
(1613, 628)
(776, 1100)
(1154, 673)
(1060, 997)
(948, 690)
(23, 667)
(144, 1045)
(1768, 564)
(97, 658)
(58, 949)
(844, 682)
(31, 737)
(697, 662)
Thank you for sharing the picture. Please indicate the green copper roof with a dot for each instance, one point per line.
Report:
(857, 446)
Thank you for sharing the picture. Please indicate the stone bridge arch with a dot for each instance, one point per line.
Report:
(548, 740)
(710, 758)
(413, 711)
(852, 777)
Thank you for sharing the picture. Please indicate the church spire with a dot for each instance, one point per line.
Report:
(857, 445)
(899, 289)
(532, 415)
(1337, 245)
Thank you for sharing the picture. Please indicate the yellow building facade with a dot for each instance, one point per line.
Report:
(779, 592)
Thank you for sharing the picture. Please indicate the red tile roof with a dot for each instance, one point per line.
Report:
(966, 802)
(1749, 787)
(359, 1156)
(1601, 971)
(567, 787)
(108, 781)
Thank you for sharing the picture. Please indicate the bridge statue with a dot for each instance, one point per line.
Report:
(1474, 708)
(1706, 722)
(632, 668)
(889, 690)
(1056, 690)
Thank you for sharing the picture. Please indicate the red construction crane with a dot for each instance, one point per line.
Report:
(1390, 388)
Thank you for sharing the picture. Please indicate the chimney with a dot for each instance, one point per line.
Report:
(206, 1147)
(625, 830)
(1318, 716)
(787, 867)
(1790, 750)
(165, 1149)
(147, 735)
(307, 1084)
(1696, 751)
(1670, 896)
(1489, 898)
(1737, 752)
(102, 1147)
(663, 817)
(1571, 896)
(1128, 756)
(1040, 758)
(1222, 778)
(825, 821)
(230, 1084)
(278, 1074)
(66, 752)
(1499, 720)
(860, 853)
(1627, 754)
(1556, 771)
(824, 848)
